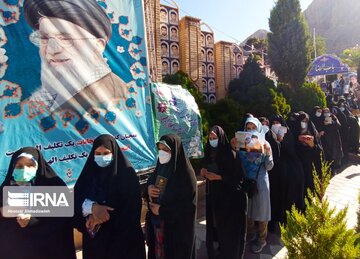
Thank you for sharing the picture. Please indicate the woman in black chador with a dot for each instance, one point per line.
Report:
(28, 237)
(172, 198)
(226, 207)
(307, 146)
(108, 204)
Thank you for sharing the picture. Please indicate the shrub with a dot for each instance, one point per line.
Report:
(320, 232)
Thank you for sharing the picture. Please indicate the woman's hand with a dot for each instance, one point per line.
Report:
(91, 222)
(267, 149)
(153, 192)
(233, 143)
(154, 208)
(23, 220)
(212, 176)
(100, 213)
(203, 172)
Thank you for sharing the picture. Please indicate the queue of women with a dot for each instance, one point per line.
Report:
(108, 197)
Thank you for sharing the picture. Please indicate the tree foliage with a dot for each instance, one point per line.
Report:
(226, 113)
(319, 232)
(303, 98)
(260, 45)
(257, 93)
(289, 42)
(351, 57)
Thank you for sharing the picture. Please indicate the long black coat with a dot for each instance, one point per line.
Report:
(307, 155)
(331, 142)
(44, 237)
(277, 180)
(344, 130)
(177, 204)
(294, 172)
(116, 186)
(226, 208)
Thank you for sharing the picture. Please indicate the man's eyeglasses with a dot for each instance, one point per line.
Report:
(63, 40)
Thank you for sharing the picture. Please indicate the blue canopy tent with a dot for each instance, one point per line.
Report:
(327, 65)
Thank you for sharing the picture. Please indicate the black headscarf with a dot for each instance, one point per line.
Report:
(223, 147)
(179, 162)
(84, 13)
(278, 118)
(94, 181)
(45, 175)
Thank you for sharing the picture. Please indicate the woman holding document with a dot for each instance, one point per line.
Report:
(257, 160)
(226, 204)
(172, 198)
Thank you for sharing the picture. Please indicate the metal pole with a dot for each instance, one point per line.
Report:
(314, 45)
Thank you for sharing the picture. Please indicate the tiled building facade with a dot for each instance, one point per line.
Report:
(180, 44)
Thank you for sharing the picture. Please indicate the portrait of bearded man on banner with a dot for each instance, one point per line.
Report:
(72, 36)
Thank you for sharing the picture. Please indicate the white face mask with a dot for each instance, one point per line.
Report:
(318, 114)
(164, 157)
(275, 128)
(214, 142)
(303, 124)
(327, 114)
(342, 109)
(265, 128)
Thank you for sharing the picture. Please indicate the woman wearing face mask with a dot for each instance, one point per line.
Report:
(108, 204)
(27, 236)
(225, 206)
(317, 118)
(308, 147)
(259, 205)
(171, 193)
(331, 139)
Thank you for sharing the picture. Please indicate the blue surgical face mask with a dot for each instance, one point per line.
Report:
(25, 174)
(214, 142)
(103, 160)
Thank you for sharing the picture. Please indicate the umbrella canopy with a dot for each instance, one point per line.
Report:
(327, 65)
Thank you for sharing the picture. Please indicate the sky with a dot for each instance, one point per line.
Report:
(231, 20)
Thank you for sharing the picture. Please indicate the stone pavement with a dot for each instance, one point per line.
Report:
(342, 191)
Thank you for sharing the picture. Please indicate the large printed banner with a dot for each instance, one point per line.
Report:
(71, 70)
(177, 112)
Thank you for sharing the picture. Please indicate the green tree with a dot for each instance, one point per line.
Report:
(260, 47)
(303, 98)
(289, 42)
(351, 57)
(319, 232)
(256, 92)
(226, 113)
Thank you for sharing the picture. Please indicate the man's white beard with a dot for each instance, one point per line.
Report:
(59, 84)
